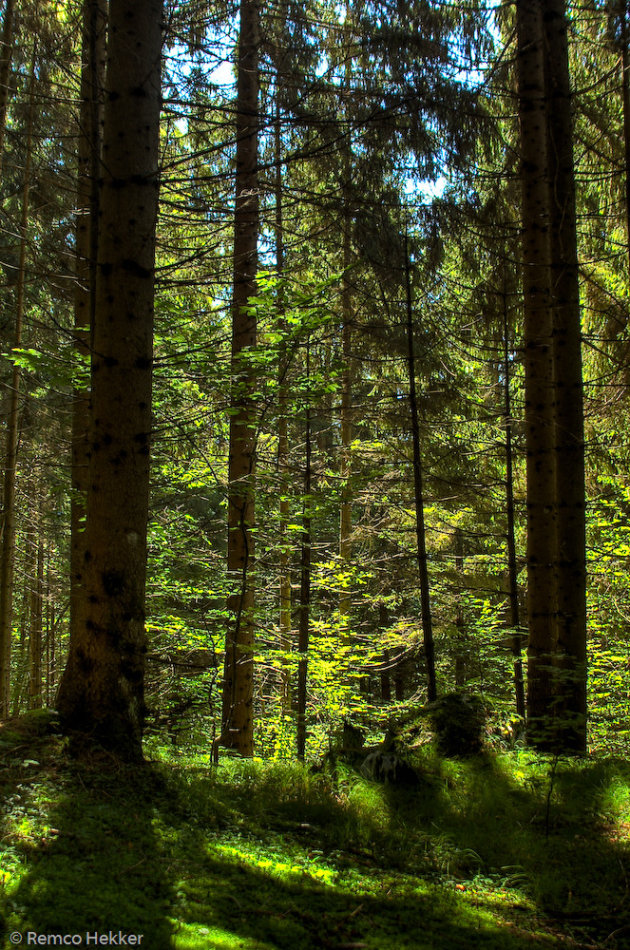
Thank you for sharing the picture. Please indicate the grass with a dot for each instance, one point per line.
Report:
(499, 851)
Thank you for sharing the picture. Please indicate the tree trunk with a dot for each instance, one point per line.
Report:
(7, 552)
(569, 428)
(461, 646)
(305, 577)
(6, 56)
(539, 372)
(51, 652)
(625, 100)
(35, 697)
(101, 695)
(238, 684)
(345, 514)
(519, 687)
(90, 140)
(423, 571)
(386, 664)
(283, 435)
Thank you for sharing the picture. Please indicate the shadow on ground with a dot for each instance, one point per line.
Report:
(196, 862)
(85, 834)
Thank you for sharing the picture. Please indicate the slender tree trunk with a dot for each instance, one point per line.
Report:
(7, 552)
(305, 577)
(20, 657)
(625, 99)
(462, 654)
(386, 671)
(569, 413)
(238, 684)
(283, 434)
(35, 697)
(539, 373)
(423, 571)
(90, 140)
(6, 55)
(519, 686)
(51, 644)
(345, 514)
(101, 695)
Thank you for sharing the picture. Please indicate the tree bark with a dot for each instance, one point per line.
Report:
(305, 578)
(283, 433)
(539, 372)
(101, 695)
(7, 552)
(423, 571)
(569, 413)
(625, 101)
(6, 56)
(519, 686)
(238, 684)
(345, 513)
(35, 697)
(89, 154)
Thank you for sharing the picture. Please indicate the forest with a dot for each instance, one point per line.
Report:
(315, 499)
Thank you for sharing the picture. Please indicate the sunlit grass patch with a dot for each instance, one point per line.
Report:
(198, 937)
(268, 856)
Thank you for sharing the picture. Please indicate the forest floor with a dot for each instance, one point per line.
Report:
(500, 851)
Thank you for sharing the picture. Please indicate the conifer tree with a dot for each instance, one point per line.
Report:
(238, 685)
(102, 692)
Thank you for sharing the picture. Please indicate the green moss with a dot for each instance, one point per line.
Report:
(501, 852)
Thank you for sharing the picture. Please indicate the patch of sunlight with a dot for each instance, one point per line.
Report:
(195, 937)
(275, 867)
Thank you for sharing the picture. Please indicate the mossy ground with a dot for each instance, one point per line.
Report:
(503, 851)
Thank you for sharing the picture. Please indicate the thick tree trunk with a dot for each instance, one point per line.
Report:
(569, 430)
(423, 570)
(7, 551)
(238, 684)
(539, 372)
(102, 690)
(90, 139)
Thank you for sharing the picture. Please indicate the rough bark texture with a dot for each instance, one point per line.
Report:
(90, 139)
(539, 370)
(569, 431)
(238, 684)
(7, 532)
(101, 694)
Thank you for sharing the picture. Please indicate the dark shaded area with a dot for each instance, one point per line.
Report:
(236, 854)
(88, 840)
